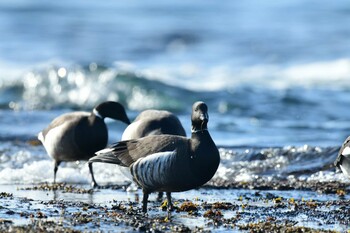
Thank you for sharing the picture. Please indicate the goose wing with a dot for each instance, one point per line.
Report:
(125, 153)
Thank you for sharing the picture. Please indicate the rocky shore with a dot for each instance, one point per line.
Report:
(203, 210)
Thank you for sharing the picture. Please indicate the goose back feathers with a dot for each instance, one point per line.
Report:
(153, 122)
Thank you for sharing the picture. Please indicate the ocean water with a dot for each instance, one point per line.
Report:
(275, 76)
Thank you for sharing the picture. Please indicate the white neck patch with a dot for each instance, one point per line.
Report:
(96, 113)
(198, 130)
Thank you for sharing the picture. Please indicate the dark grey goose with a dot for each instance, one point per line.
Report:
(78, 135)
(168, 163)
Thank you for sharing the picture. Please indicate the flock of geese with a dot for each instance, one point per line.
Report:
(154, 148)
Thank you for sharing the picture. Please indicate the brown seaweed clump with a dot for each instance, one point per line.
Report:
(213, 214)
(6, 195)
(188, 206)
(65, 188)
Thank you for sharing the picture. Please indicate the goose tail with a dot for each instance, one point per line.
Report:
(106, 156)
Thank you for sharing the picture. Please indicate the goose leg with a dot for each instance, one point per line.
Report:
(170, 205)
(93, 182)
(160, 196)
(56, 164)
(144, 201)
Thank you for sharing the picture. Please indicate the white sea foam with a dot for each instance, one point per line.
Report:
(28, 165)
(330, 74)
(84, 87)
(31, 165)
(42, 171)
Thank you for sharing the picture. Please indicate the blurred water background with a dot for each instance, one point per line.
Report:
(275, 75)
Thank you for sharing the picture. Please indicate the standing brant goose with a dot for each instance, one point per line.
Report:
(343, 159)
(78, 135)
(168, 163)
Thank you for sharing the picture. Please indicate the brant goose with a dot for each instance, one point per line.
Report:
(168, 163)
(343, 159)
(78, 135)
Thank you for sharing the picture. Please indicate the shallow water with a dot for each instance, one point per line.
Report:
(24, 163)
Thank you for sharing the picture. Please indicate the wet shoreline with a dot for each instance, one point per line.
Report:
(270, 201)
(77, 208)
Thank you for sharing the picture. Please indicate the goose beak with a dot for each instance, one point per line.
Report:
(204, 117)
